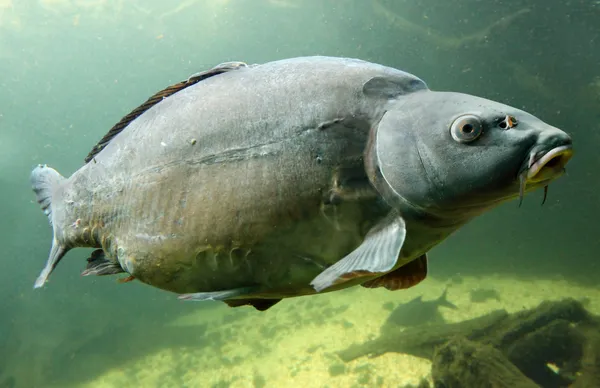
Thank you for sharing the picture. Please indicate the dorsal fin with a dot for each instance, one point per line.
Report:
(156, 98)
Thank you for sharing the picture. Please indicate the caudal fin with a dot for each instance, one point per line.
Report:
(44, 181)
(443, 301)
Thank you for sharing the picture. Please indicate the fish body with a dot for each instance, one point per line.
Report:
(304, 175)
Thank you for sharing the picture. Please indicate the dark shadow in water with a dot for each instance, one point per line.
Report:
(120, 345)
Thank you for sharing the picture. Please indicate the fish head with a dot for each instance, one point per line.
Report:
(457, 155)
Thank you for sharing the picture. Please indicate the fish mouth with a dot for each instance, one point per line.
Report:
(544, 166)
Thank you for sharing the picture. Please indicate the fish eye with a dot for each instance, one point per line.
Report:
(466, 128)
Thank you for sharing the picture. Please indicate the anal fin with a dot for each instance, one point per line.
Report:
(259, 304)
(407, 276)
(99, 265)
(377, 254)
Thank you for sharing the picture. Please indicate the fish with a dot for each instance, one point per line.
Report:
(249, 184)
(419, 312)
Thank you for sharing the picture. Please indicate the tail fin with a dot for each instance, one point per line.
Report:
(443, 301)
(44, 181)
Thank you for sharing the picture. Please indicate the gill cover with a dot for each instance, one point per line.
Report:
(394, 163)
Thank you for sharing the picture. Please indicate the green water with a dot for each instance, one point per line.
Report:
(70, 69)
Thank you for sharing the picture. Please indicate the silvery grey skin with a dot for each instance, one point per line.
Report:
(294, 177)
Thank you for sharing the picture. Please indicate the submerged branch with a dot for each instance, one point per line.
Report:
(449, 42)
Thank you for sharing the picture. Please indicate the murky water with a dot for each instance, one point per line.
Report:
(70, 69)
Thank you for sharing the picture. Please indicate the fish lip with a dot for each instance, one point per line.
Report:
(546, 165)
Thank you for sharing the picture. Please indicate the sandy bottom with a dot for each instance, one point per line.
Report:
(294, 343)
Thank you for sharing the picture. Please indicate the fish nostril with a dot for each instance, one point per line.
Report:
(561, 139)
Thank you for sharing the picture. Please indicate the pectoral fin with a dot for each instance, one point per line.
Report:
(407, 276)
(377, 254)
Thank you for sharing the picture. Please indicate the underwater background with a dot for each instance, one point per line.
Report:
(70, 69)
